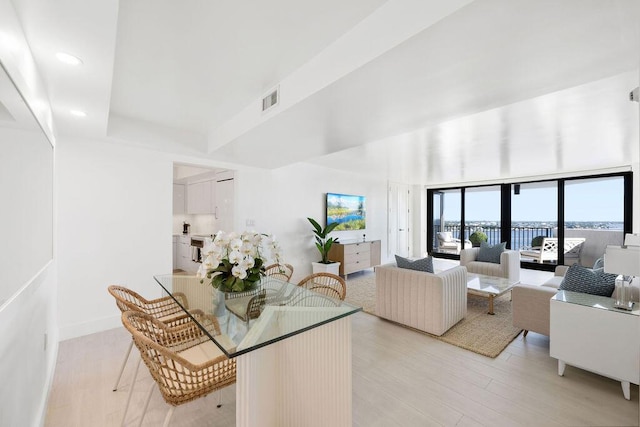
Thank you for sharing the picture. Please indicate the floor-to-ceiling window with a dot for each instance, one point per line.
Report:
(446, 221)
(593, 217)
(482, 215)
(551, 222)
(534, 216)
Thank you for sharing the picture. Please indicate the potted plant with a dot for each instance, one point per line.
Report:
(324, 243)
(477, 237)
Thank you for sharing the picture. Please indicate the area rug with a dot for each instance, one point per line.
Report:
(478, 332)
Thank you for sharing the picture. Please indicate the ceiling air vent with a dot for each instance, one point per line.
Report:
(271, 100)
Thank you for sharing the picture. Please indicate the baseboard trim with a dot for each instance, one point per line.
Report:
(90, 327)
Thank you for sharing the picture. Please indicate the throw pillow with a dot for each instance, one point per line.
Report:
(423, 264)
(491, 253)
(588, 281)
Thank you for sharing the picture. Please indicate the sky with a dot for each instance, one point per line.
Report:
(585, 200)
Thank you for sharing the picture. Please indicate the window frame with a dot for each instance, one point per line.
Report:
(505, 211)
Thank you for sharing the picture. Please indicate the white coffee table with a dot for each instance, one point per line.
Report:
(489, 287)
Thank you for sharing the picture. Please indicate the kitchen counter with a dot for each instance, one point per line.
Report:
(194, 235)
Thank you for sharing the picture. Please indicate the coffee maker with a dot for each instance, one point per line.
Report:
(185, 227)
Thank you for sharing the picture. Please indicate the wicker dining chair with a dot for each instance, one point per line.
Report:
(325, 284)
(165, 309)
(246, 307)
(279, 271)
(182, 360)
(311, 299)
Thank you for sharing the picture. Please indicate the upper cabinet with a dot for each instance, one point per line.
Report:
(201, 197)
(211, 193)
(179, 199)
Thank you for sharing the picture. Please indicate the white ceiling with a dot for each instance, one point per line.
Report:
(409, 90)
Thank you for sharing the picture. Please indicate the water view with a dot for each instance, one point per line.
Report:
(523, 232)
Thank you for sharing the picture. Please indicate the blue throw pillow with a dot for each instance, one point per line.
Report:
(423, 264)
(588, 281)
(489, 253)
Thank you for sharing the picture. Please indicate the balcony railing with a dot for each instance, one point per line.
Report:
(520, 236)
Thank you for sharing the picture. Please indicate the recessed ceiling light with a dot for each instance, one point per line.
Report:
(68, 59)
(78, 113)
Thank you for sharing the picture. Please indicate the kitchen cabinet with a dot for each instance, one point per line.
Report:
(175, 252)
(183, 254)
(201, 197)
(179, 199)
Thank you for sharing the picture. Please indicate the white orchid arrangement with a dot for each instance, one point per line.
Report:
(236, 262)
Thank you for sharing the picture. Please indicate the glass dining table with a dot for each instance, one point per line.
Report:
(293, 354)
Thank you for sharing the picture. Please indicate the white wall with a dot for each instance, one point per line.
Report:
(27, 368)
(28, 286)
(115, 221)
(280, 201)
(114, 227)
(28, 323)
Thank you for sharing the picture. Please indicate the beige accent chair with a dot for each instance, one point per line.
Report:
(530, 303)
(508, 268)
(426, 301)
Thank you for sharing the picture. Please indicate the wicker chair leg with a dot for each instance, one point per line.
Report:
(146, 404)
(135, 375)
(124, 362)
(219, 398)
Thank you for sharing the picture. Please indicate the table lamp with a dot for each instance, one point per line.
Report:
(625, 261)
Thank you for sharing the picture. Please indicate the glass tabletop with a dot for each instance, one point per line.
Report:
(594, 301)
(490, 285)
(274, 311)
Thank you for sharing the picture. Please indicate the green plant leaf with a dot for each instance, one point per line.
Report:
(330, 227)
(318, 228)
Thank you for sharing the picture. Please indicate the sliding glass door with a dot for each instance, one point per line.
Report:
(552, 222)
(593, 218)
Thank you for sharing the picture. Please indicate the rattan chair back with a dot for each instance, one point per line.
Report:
(126, 299)
(325, 284)
(309, 299)
(179, 380)
(279, 271)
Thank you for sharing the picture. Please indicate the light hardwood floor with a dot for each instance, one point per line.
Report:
(400, 378)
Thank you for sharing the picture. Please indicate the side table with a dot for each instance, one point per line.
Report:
(589, 333)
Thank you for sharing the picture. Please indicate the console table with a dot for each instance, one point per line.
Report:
(355, 256)
(589, 333)
(293, 362)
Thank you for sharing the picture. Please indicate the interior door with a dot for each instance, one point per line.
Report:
(399, 220)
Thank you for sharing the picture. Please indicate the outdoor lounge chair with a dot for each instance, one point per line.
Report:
(548, 251)
(448, 243)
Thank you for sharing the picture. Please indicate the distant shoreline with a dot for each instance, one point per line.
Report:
(590, 225)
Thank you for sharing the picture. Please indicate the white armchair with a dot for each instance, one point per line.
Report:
(426, 301)
(509, 266)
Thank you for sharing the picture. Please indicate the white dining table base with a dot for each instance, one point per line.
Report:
(303, 380)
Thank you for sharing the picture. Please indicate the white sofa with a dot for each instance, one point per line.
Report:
(509, 266)
(426, 301)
